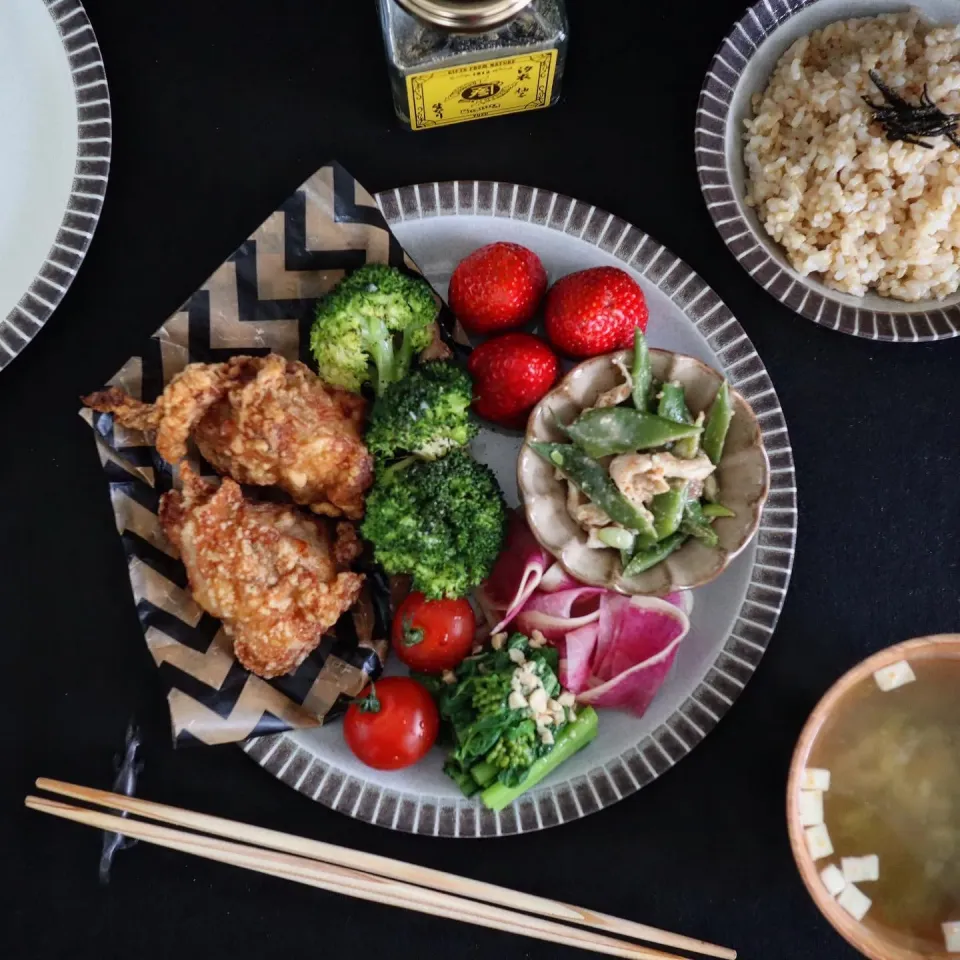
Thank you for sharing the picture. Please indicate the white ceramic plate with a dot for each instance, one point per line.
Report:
(733, 617)
(55, 115)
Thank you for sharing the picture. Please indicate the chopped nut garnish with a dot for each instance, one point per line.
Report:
(448, 677)
(516, 655)
(537, 640)
(516, 701)
(498, 640)
(538, 700)
(527, 675)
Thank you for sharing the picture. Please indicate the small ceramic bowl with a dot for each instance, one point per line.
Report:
(743, 475)
(868, 940)
(742, 67)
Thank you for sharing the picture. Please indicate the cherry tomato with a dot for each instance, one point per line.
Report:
(392, 724)
(433, 635)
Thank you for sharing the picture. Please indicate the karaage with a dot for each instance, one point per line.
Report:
(265, 421)
(268, 571)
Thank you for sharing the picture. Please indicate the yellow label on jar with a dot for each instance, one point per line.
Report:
(476, 90)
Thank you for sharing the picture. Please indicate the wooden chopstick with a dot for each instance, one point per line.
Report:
(385, 867)
(353, 883)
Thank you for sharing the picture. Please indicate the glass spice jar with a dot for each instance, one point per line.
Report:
(456, 60)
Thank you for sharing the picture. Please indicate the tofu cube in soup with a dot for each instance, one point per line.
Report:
(854, 901)
(951, 936)
(860, 869)
(815, 779)
(896, 675)
(818, 842)
(832, 879)
(810, 804)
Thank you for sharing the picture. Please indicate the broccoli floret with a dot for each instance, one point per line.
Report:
(427, 413)
(443, 521)
(370, 325)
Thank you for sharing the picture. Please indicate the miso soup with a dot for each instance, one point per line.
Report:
(894, 792)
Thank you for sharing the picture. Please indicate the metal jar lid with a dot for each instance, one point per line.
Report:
(465, 14)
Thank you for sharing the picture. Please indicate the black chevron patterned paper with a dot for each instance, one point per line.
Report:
(261, 299)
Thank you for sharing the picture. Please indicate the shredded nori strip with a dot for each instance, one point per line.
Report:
(909, 122)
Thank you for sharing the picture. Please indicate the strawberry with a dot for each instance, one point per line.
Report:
(510, 375)
(497, 288)
(594, 311)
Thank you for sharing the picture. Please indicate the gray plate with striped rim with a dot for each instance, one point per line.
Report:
(742, 67)
(55, 161)
(733, 617)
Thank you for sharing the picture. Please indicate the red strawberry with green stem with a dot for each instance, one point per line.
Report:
(594, 311)
(511, 374)
(497, 288)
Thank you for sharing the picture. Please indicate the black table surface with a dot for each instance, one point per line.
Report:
(220, 110)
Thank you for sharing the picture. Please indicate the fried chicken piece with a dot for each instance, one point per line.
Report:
(263, 421)
(347, 547)
(268, 571)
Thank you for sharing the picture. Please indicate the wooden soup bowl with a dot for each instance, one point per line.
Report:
(872, 943)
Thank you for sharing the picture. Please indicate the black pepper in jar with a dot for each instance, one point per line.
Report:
(456, 60)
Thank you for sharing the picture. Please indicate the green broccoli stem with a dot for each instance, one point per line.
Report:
(484, 773)
(404, 357)
(380, 347)
(390, 364)
(394, 468)
(573, 738)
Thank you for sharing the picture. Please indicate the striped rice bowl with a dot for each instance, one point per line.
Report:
(849, 207)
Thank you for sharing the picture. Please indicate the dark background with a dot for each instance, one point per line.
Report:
(220, 110)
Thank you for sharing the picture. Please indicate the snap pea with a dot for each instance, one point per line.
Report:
(606, 430)
(642, 372)
(653, 393)
(616, 537)
(711, 489)
(697, 525)
(718, 423)
(712, 510)
(650, 557)
(673, 404)
(667, 510)
(687, 448)
(593, 481)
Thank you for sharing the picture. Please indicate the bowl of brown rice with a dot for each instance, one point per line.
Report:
(849, 217)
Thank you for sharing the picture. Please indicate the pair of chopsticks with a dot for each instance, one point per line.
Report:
(365, 876)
